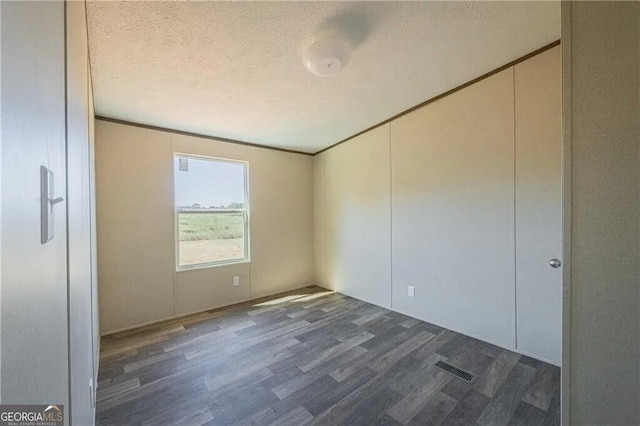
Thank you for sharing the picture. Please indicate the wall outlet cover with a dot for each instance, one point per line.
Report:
(236, 281)
(411, 291)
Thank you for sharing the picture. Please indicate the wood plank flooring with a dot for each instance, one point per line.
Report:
(315, 357)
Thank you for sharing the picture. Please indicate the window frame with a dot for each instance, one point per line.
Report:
(246, 211)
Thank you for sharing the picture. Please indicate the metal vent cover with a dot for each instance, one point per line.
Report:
(455, 371)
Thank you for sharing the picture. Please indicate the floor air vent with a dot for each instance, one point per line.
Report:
(464, 375)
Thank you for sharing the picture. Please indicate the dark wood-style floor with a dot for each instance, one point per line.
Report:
(316, 357)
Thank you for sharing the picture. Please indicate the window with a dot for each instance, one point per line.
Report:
(212, 216)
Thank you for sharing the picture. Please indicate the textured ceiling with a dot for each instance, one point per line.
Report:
(234, 69)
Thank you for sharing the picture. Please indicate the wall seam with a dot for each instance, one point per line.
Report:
(175, 224)
(515, 216)
(390, 218)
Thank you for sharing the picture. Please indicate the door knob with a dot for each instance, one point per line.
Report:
(555, 263)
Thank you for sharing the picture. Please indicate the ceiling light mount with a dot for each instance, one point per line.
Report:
(327, 56)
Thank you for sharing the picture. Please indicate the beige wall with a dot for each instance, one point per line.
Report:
(453, 210)
(353, 227)
(538, 204)
(601, 119)
(428, 201)
(134, 208)
(136, 249)
(319, 245)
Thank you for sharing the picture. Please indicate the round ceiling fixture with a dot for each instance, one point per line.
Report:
(326, 57)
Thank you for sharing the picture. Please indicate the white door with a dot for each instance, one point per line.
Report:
(538, 109)
(34, 275)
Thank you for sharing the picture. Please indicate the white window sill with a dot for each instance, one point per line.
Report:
(211, 265)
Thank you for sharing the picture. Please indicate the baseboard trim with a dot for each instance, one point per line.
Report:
(213, 309)
(362, 299)
(455, 330)
(539, 358)
(512, 349)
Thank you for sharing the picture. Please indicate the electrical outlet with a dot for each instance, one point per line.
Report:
(411, 291)
(236, 281)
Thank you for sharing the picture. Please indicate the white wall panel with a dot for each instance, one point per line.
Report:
(79, 210)
(538, 101)
(452, 180)
(356, 256)
(34, 275)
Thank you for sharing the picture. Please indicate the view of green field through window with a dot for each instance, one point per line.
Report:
(211, 210)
